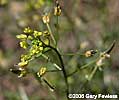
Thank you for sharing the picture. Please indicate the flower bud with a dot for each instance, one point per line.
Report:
(46, 19)
(21, 36)
(41, 72)
(57, 11)
(23, 64)
(90, 53)
(37, 34)
(23, 44)
(28, 30)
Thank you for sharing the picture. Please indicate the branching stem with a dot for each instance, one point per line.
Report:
(63, 68)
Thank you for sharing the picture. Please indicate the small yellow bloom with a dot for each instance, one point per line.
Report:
(23, 73)
(40, 43)
(41, 48)
(41, 72)
(36, 33)
(23, 44)
(23, 64)
(28, 30)
(46, 19)
(25, 57)
(33, 51)
(30, 37)
(21, 36)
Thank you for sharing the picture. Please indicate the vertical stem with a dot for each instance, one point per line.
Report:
(57, 24)
(63, 68)
(57, 27)
(49, 29)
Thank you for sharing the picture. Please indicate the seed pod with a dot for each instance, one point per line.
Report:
(57, 9)
(90, 53)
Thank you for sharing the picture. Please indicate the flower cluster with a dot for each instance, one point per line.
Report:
(34, 42)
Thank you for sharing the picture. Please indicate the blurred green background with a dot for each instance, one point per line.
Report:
(83, 25)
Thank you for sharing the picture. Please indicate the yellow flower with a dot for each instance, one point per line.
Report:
(40, 43)
(25, 57)
(41, 72)
(41, 48)
(21, 36)
(23, 44)
(30, 37)
(28, 30)
(23, 73)
(35, 50)
(23, 64)
(36, 33)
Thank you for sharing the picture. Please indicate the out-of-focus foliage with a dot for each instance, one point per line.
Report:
(83, 25)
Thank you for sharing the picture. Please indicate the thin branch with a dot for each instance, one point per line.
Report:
(111, 47)
(49, 29)
(82, 67)
(63, 68)
(93, 72)
(53, 70)
(49, 85)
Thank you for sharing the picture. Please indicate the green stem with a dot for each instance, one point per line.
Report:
(49, 85)
(54, 71)
(63, 68)
(82, 67)
(57, 26)
(46, 57)
(93, 72)
(49, 29)
(57, 23)
(72, 73)
(72, 54)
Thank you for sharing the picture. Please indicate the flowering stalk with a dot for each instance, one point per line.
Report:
(37, 43)
(63, 68)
